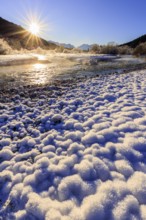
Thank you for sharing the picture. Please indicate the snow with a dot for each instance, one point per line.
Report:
(137, 186)
(75, 156)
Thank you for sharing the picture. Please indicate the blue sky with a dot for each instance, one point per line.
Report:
(81, 21)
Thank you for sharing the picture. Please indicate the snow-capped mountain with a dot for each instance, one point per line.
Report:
(68, 46)
(85, 47)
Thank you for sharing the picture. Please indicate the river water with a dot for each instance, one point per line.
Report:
(36, 69)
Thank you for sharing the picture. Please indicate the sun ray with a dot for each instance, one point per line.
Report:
(34, 28)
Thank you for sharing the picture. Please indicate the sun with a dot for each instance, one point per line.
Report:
(34, 28)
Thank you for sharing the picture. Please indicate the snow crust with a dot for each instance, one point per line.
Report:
(78, 156)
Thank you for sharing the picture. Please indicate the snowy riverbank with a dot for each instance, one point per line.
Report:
(78, 153)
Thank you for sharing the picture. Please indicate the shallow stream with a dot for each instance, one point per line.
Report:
(35, 69)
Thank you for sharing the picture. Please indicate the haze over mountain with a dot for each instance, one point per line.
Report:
(18, 37)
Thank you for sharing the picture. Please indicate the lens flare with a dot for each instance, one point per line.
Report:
(34, 28)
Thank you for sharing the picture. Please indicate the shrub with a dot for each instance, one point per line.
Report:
(109, 49)
(66, 50)
(76, 50)
(140, 49)
(4, 47)
(59, 49)
(125, 50)
(95, 48)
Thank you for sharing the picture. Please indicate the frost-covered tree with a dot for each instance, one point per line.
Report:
(140, 49)
(95, 48)
(4, 47)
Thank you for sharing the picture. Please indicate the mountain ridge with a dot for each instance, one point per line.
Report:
(134, 43)
(18, 37)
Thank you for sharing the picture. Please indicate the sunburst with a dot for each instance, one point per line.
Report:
(34, 28)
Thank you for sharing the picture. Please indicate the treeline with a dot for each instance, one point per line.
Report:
(4, 47)
(111, 48)
(114, 49)
(99, 49)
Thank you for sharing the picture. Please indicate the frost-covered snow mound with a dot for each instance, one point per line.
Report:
(79, 155)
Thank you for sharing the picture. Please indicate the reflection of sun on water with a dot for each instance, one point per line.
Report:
(39, 66)
(41, 57)
(40, 76)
